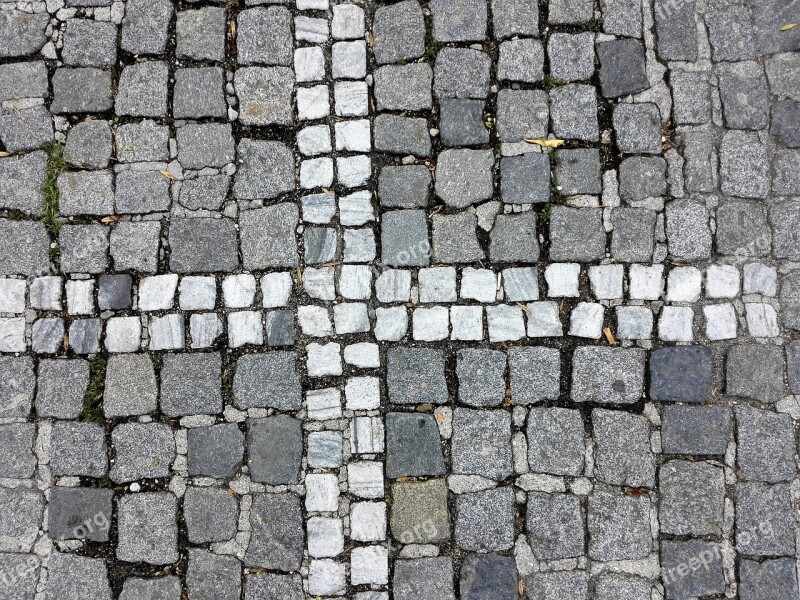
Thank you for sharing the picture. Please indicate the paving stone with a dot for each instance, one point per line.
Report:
(459, 20)
(461, 73)
(22, 32)
(201, 34)
(191, 384)
(633, 235)
(481, 377)
(202, 245)
(144, 28)
(765, 448)
(264, 36)
(534, 374)
(71, 577)
(784, 123)
(490, 576)
(481, 443)
(23, 80)
(554, 525)
(23, 573)
(268, 237)
(89, 43)
(21, 179)
(790, 300)
(277, 540)
(267, 170)
(555, 441)
(744, 166)
(405, 186)
(632, 465)
(89, 145)
(17, 386)
(681, 374)
(573, 112)
(147, 528)
(571, 56)
(691, 98)
(577, 171)
(622, 67)
(413, 446)
(731, 34)
(619, 526)
(403, 87)
(419, 512)
(61, 387)
(143, 451)
(638, 128)
(215, 451)
(514, 239)
(793, 366)
(688, 234)
(265, 97)
(785, 221)
(135, 246)
(142, 89)
(415, 376)
(199, 92)
(691, 498)
(521, 114)
(763, 522)
(213, 576)
(275, 446)
(514, 17)
(205, 145)
(400, 135)
(404, 238)
(455, 238)
(683, 581)
(525, 179)
(676, 30)
(266, 585)
(211, 514)
(756, 372)
(17, 441)
(161, 588)
(26, 129)
(776, 579)
(430, 577)
(78, 449)
(484, 521)
(607, 375)
(521, 60)
(619, 586)
(576, 234)
(642, 177)
(622, 17)
(143, 141)
(86, 192)
(399, 32)
(79, 513)
(267, 379)
(81, 90)
(743, 92)
(558, 585)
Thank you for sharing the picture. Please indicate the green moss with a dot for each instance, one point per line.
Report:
(55, 166)
(93, 398)
(551, 82)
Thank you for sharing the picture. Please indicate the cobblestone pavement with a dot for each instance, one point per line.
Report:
(371, 300)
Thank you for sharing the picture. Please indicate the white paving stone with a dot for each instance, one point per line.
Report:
(586, 320)
(365, 355)
(391, 324)
(353, 171)
(466, 323)
(562, 280)
(323, 359)
(760, 279)
(437, 284)
(353, 136)
(351, 98)
(314, 321)
(368, 521)
(166, 333)
(646, 282)
(46, 292)
(239, 291)
(634, 322)
(12, 334)
(520, 284)
(675, 324)
(80, 297)
(478, 284)
(365, 479)
(12, 295)
(309, 64)
(313, 103)
(351, 317)
(123, 334)
(762, 320)
(314, 140)
(606, 281)
(544, 320)
(721, 322)
(204, 329)
(722, 281)
(362, 393)
(197, 292)
(245, 327)
(431, 324)
(684, 284)
(505, 323)
(157, 292)
(324, 404)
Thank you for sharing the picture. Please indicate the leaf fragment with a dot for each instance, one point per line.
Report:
(788, 26)
(110, 219)
(609, 336)
(4, 154)
(168, 175)
(524, 308)
(545, 142)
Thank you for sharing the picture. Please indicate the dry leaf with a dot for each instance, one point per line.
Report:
(524, 308)
(299, 276)
(4, 154)
(439, 417)
(521, 588)
(233, 29)
(168, 175)
(788, 26)
(609, 336)
(66, 342)
(545, 142)
(371, 40)
(636, 492)
(110, 219)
